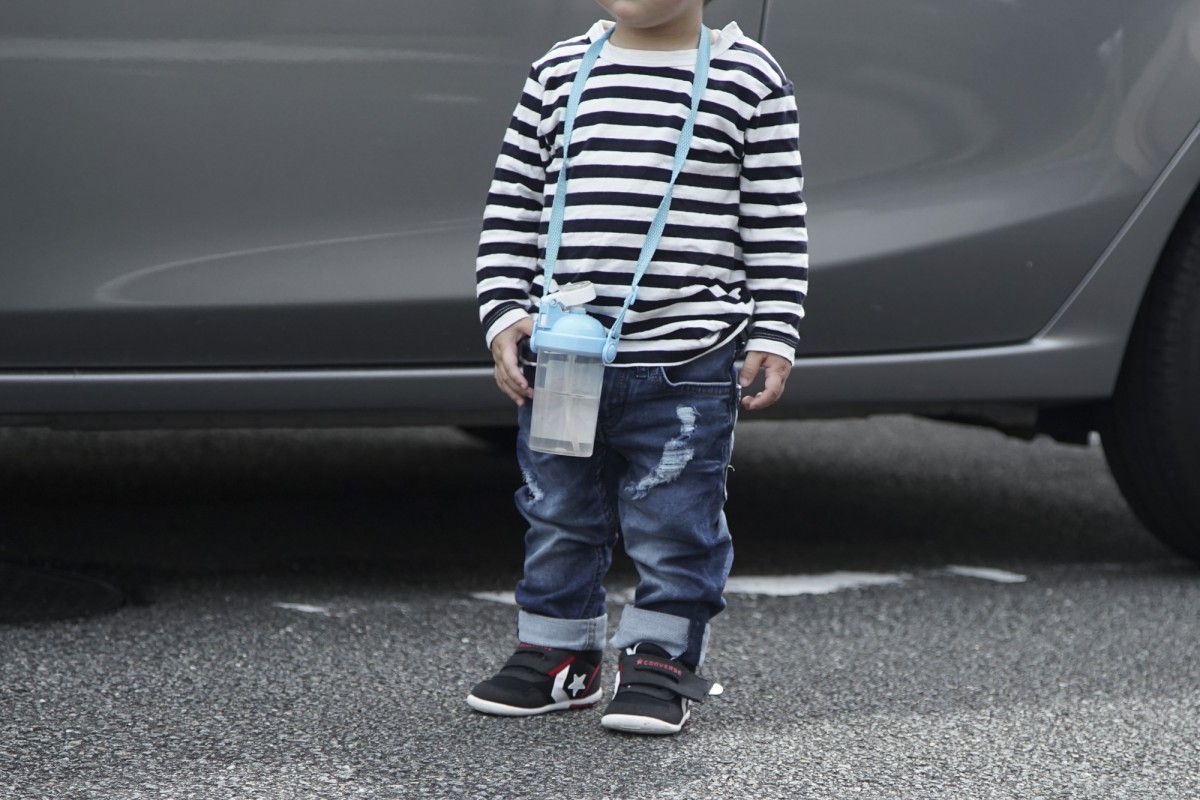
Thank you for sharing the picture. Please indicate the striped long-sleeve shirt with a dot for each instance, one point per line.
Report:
(735, 249)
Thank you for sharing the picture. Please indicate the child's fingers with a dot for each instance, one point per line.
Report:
(506, 384)
(520, 386)
(777, 374)
(764, 399)
(508, 374)
(750, 368)
(510, 378)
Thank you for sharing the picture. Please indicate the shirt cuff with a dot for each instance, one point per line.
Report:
(772, 346)
(506, 320)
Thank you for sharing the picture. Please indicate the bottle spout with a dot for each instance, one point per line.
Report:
(571, 295)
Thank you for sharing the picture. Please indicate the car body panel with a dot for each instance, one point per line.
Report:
(228, 211)
(224, 184)
(970, 162)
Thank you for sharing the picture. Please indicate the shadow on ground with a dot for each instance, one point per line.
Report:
(435, 504)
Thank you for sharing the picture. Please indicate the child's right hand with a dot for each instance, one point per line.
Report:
(505, 349)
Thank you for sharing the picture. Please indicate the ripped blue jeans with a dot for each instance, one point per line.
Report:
(657, 479)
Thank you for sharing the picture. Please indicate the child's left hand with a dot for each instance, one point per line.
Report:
(777, 368)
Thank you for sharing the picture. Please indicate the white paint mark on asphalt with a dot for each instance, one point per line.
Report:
(792, 585)
(506, 598)
(626, 596)
(986, 573)
(795, 585)
(305, 608)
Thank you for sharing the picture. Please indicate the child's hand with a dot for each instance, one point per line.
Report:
(777, 369)
(509, 376)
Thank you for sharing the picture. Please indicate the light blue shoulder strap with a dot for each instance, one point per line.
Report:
(558, 211)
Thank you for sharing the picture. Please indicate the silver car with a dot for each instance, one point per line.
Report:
(220, 212)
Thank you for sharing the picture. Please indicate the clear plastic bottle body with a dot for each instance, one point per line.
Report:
(566, 403)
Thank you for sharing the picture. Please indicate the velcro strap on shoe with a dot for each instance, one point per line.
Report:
(531, 663)
(664, 673)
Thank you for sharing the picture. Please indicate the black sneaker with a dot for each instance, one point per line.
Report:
(536, 680)
(654, 692)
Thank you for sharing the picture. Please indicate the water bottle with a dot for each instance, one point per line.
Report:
(570, 373)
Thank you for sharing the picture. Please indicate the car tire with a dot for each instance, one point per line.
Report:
(1151, 426)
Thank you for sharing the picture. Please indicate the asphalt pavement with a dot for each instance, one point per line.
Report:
(922, 611)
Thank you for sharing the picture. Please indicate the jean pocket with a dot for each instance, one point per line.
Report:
(696, 377)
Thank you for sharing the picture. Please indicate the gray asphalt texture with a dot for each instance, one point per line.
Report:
(1082, 681)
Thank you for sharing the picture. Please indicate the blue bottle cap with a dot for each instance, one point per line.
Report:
(574, 332)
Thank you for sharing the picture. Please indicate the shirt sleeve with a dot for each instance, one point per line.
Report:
(772, 224)
(508, 244)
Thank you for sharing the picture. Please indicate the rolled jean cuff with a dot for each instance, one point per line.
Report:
(565, 634)
(668, 631)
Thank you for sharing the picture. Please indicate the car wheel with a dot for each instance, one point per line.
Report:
(1151, 427)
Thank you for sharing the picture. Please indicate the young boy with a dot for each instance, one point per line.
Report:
(730, 272)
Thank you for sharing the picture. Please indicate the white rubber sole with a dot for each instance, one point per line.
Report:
(502, 710)
(629, 723)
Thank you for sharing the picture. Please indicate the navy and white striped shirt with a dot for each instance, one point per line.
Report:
(735, 249)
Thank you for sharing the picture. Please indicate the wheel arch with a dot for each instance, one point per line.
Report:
(1104, 306)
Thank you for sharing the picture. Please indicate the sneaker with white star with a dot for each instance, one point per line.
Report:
(537, 680)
